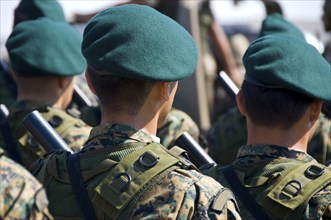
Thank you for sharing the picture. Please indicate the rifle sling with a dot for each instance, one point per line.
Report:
(78, 187)
(243, 194)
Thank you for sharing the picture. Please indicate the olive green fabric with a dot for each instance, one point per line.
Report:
(275, 23)
(284, 61)
(43, 47)
(138, 42)
(32, 9)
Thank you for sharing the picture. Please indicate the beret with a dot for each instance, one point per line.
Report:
(43, 47)
(33, 9)
(276, 24)
(284, 61)
(138, 42)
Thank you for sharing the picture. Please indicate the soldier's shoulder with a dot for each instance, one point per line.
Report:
(23, 196)
(181, 191)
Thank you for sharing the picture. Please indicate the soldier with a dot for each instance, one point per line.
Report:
(229, 132)
(285, 84)
(22, 196)
(26, 10)
(135, 58)
(45, 55)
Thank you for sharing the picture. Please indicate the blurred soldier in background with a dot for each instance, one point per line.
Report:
(26, 10)
(21, 195)
(31, 10)
(326, 19)
(124, 170)
(44, 56)
(273, 177)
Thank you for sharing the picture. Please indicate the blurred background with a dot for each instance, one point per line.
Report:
(235, 16)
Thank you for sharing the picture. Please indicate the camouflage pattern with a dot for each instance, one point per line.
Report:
(74, 131)
(226, 135)
(180, 194)
(176, 123)
(22, 196)
(8, 88)
(229, 132)
(265, 162)
(320, 145)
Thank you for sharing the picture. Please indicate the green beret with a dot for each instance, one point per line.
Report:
(43, 47)
(276, 24)
(284, 61)
(138, 42)
(33, 9)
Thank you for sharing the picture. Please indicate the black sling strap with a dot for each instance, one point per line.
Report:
(243, 194)
(77, 183)
(7, 136)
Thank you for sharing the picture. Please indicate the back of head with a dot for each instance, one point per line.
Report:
(276, 24)
(33, 9)
(43, 47)
(138, 42)
(281, 65)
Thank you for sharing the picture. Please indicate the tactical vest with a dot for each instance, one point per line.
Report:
(287, 193)
(31, 149)
(114, 188)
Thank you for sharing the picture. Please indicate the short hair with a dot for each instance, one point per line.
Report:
(118, 94)
(274, 107)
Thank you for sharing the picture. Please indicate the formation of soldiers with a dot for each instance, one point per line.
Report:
(272, 149)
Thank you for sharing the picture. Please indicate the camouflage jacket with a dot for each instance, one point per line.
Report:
(178, 194)
(74, 131)
(260, 167)
(22, 196)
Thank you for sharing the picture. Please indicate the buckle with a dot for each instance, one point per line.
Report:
(314, 171)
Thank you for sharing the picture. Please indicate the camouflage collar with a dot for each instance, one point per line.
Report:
(272, 151)
(119, 133)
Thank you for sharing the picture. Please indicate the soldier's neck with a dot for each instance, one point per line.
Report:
(295, 138)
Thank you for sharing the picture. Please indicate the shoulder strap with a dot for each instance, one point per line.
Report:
(129, 176)
(243, 194)
(295, 188)
(78, 187)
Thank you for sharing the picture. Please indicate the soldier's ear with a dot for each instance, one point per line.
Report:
(315, 110)
(88, 81)
(240, 103)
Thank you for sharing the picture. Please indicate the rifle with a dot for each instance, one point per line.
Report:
(51, 141)
(7, 135)
(37, 125)
(195, 152)
(228, 85)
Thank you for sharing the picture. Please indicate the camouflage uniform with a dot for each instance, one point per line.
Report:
(176, 123)
(74, 131)
(229, 133)
(259, 166)
(22, 196)
(179, 194)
